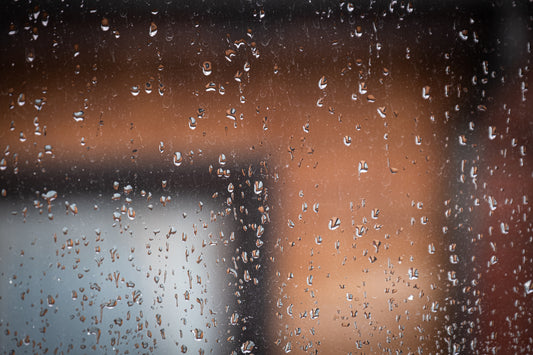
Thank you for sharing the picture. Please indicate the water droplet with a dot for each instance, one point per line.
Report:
(135, 90)
(504, 227)
(527, 287)
(350, 7)
(431, 248)
(73, 208)
(334, 223)
(230, 54)
(493, 204)
(12, 30)
(78, 116)
(258, 187)
(322, 83)
(148, 87)
(161, 147)
(153, 29)
(117, 216)
(30, 56)
(247, 347)
(104, 24)
(413, 274)
(207, 69)
(362, 88)
(222, 159)
(198, 334)
(347, 140)
(234, 319)
(51, 301)
(363, 167)
(211, 87)
(492, 132)
(177, 159)
(21, 100)
(288, 347)
(425, 92)
(131, 213)
(192, 123)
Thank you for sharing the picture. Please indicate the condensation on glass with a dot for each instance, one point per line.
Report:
(260, 177)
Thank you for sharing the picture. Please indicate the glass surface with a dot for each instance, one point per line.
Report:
(265, 177)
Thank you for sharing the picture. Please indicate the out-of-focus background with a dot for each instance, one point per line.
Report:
(261, 177)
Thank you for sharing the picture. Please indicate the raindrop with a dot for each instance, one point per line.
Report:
(234, 319)
(21, 100)
(425, 92)
(78, 116)
(135, 90)
(504, 227)
(50, 196)
(153, 29)
(51, 301)
(198, 334)
(334, 223)
(322, 83)
(211, 87)
(288, 347)
(492, 132)
(207, 69)
(30, 56)
(347, 140)
(362, 88)
(192, 123)
(104, 25)
(222, 159)
(12, 30)
(350, 7)
(247, 347)
(527, 287)
(363, 167)
(148, 88)
(258, 187)
(413, 274)
(177, 159)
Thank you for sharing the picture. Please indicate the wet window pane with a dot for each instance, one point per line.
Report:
(261, 177)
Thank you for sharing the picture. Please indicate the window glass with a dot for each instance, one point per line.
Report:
(265, 177)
